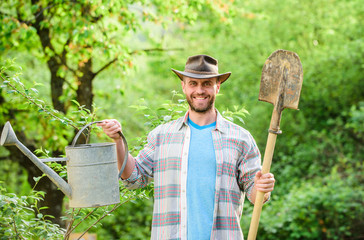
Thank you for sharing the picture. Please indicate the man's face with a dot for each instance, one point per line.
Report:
(200, 93)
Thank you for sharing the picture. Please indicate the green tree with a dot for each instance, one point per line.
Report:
(321, 145)
(76, 41)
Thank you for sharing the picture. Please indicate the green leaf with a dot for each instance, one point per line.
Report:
(34, 90)
(36, 179)
(75, 102)
(167, 118)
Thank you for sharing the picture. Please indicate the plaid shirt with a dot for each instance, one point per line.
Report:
(165, 159)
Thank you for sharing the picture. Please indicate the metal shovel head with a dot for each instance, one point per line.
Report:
(281, 80)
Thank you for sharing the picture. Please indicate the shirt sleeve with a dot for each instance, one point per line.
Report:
(248, 165)
(142, 174)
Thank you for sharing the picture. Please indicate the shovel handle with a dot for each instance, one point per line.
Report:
(258, 204)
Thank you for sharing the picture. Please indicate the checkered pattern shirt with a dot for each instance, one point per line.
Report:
(164, 159)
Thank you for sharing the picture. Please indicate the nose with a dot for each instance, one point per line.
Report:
(200, 89)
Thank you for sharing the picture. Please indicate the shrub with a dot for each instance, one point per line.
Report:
(20, 217)
(328, 207)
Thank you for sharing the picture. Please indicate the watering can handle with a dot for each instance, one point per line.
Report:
(122, 137)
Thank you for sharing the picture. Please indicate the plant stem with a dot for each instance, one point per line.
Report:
(107, 213)
(69, 232)
(66, 236)
(16, 230)
(36, 104)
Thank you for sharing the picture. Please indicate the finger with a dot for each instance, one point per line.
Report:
(266, 180)
(113, 123)
(103, 122)
(108, 126)
(258, 174)
(112, 127)
(265, 187)
(116, 122)
(267, 176)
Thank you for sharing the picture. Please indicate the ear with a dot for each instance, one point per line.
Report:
(218, 84)
(183, 85)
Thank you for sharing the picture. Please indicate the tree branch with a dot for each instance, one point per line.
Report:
(39, 13)
(21, 20)
(44, 109)
(63, 59)
(34, 2)
(4, 158)
(136, 52)
(106, 66)
(156, 50)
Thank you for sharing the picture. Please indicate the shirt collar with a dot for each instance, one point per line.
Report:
(220, 121)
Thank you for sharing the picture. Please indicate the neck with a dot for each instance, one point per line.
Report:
(204, 118)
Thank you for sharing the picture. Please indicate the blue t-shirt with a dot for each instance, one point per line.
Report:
(201, 178)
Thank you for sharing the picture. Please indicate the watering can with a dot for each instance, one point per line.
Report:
(91, 169)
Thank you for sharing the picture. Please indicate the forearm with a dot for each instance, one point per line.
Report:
(120, 153)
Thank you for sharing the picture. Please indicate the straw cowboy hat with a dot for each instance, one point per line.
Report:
(202, 66)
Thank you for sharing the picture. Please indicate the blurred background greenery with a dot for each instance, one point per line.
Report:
(114, 58)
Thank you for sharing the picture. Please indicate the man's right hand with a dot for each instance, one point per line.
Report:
(111, 127)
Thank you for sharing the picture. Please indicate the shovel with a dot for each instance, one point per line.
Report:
(280, 85)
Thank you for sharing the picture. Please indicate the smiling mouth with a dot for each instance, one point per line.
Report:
(200, 98)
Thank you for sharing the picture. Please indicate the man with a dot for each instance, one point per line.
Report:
(202, 164)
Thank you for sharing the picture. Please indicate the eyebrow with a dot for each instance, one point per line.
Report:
(202, 80)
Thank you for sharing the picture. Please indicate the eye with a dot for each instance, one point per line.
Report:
(207, 84)
(192, 83)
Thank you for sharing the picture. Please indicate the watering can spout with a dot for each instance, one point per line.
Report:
(9, 138)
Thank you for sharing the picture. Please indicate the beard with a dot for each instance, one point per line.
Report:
(200, 108)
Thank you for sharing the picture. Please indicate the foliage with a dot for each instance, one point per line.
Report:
(320, 149)
(132, 221)
(11, 73)
(20, 217)
(237, 115)
(68, 45)
(167, 111)
(328, 207)
(26, 98)
(87, 219)
(326, 131)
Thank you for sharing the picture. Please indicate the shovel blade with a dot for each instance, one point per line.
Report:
(281, 80)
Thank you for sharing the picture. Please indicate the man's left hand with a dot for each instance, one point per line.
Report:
(264, 182)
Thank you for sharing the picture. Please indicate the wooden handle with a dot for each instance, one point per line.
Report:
(268, 155)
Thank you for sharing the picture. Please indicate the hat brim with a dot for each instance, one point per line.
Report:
(222, 77)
